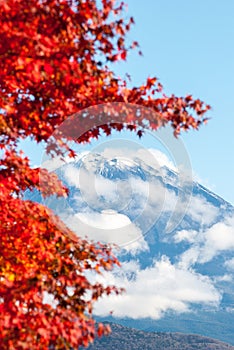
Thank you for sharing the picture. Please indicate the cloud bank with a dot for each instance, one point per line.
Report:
(155, 290)
(207, 244)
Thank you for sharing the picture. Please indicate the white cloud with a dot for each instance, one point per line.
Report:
(131, 156)
(91, 186)
(230, 264)
(230, 309)
(184, 203)
(71, 174)
(189, 257)
(106, 220)
(159, 158)
(185, 235)
(208, 243)
(200, 210)
(157, 289)
(108, 226)
(220, 237)
(224, 278)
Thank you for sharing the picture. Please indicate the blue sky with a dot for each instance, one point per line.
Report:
(189, 47)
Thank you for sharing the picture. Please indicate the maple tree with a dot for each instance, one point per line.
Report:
(56, 59)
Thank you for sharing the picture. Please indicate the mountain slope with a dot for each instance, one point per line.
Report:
(179, 279)
(123, 338)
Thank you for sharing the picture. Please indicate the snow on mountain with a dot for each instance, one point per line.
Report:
(176, 239)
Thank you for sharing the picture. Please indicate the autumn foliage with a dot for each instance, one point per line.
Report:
(56, 59)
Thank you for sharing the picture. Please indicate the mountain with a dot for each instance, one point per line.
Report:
(132, 339)
(175, 238)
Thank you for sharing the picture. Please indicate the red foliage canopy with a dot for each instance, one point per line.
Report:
(55, 62)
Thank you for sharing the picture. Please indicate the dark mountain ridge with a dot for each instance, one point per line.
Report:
(123, 338)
